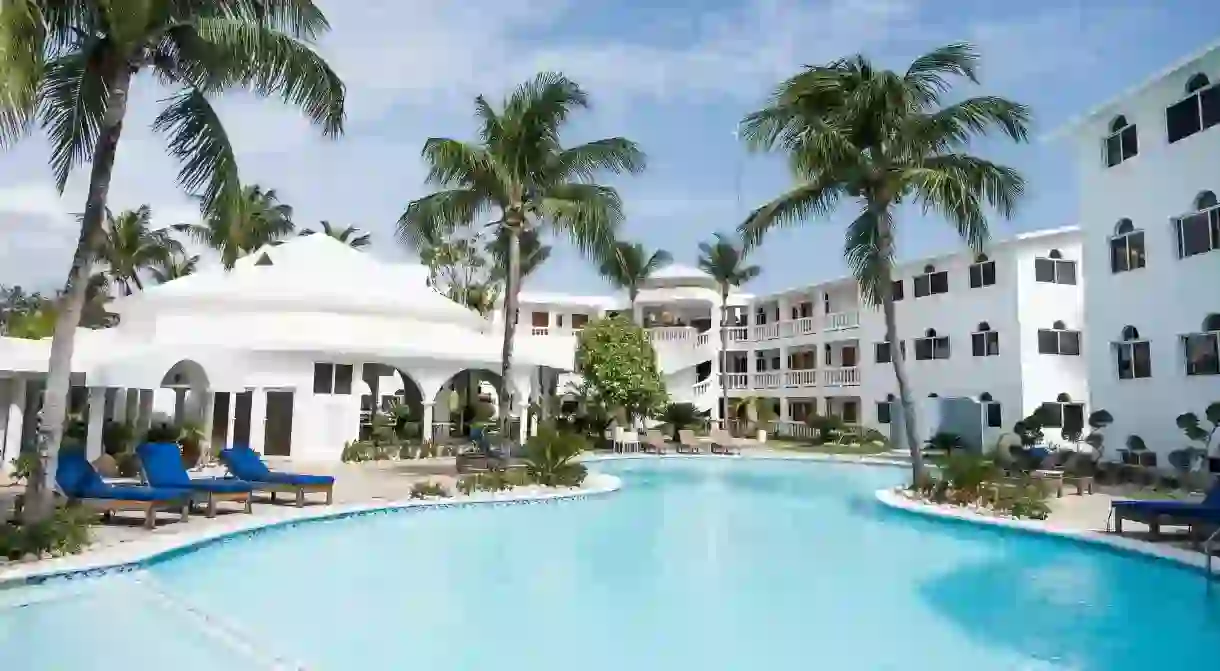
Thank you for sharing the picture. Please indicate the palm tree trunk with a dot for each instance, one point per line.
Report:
(724, 358)
(897, 358)
(59, 368)
(512, 289)
(135, 277)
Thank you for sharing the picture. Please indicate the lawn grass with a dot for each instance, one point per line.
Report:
(803, 447)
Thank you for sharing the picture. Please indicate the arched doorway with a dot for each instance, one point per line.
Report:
(390, 391)
(468, 396)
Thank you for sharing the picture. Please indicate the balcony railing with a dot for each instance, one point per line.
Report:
(701, 339)
(803, 326)
(800, 378)
(834, 321)
(789, 429)
(670, 333)
(837, 321)
(766, 332)
(701, 388)
(767, 380)
(841, 377)
(737, 381)
(739, 334)
(540, 330)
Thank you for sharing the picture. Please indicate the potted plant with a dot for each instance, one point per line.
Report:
(1202, 434)
(190, 440)
(757, 411)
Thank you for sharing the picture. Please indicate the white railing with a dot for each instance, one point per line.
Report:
(785, 329)
(767, 380)
(841, 377)
(790, 429)
(701, 339)
(800, 378)
(737, 381)
(441, 429)
(739, 334)
(701, 388)
(766, 332)
(803, 326)
(837, 321)
(540, 330)
(670, 333)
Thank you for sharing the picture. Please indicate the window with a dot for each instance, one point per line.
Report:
(760, 362)
(851, 412)
(883, 412)
(1122, 143)
(1198, 111)
(985, 342)
(931, 346)
(760, 316)
(1199, 232)
(579, 321)
(881, 351)
(1133, 355)
(540, 319)
(982, 272)
(1058, 339)
(995, 415)
(1054, 269)
(896, 290)
(1202, 350)
(931, 282)
(1061, 414)
(1126, 248)
(331, 378)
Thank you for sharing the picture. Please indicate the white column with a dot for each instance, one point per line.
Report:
(97, 422)
(785, 415)
(258, 419)
(16, 420)
(524, 414)
(144, 404)
(179, 406)
(426, 428)
(118, 411)
(131, 413)
(232, 419)
(207, 410)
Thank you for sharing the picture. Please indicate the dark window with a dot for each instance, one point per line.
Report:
(932, 348)
(985, 343)
(1134, 360)
(827, 353)
(1059, 415)
(1055, 271)
(1122, 144)
(540, 319)
(883, 412)
(848, 356)
(1198, 233)
(1202, 354)
(896, 290)
(931, 283)
(850, 412)
(1056, 341)
(1127, 252)
(343, 378)
(923, 286)
(881, 352)
(579, 321)
(1198, 111)
(995, 418)
(982, 274)
(323, 378)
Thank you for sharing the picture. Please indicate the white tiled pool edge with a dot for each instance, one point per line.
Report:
(137, 554)
(893, 499)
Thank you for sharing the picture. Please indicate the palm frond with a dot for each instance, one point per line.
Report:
(724, 261)
(300, 18)
(72, 101)
(868, 259)
(928, 74)
(614, 155)
(22, 52)
(199, 141)
(588, 214)
(956, 186)
(431, 219)
(454, 163)
(791, 208)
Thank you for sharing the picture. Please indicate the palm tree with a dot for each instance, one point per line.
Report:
(629, 264)
(726, 263)
(175, 266)
(519, 174)
(245, 224)
(533, 253)
(131, 246)
(70, 64)
(347, 236)
(882, 138)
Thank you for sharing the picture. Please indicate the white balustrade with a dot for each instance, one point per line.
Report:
(739, 334)
(767, 380)
(841, 377)
(803, 326)
(800, 378)
(737, 381)
(670, 333)
(702, 388)
(837, 321)
(785, 329)
(540, 331)
(701, 339)
(766, 332)
(790, 429)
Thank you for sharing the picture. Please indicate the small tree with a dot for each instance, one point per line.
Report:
(681, 416)
(620, 367)
(1098, 420)
(1199, 434)
(754, 411)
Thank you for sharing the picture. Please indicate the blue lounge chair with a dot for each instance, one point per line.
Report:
(1184, 513)
(162, 464)
(81, 484)
(245, 463)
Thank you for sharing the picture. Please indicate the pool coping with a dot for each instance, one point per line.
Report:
(145, 552)
(769, 456)
(1190, 559)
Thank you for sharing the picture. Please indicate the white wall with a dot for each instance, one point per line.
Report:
(1170, 296)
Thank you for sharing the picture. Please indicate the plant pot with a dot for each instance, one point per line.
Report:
(761, 436)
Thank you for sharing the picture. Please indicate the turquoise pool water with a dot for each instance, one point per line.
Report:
(694, 564)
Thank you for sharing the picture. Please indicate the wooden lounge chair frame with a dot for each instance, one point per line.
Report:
(724, 442)
(687, 443)
(107, 508)
(210, 499)
(300, 490)
(654, 441)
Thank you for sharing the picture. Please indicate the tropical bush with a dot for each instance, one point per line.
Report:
(24, 465)
(549, 458)
(190, 439)
(66, 531)
(874, 436)
(969, 479)
(118, 437)
(429, 489)
(827, 427)
(1201, 435)
(357, 451)
(681, 416)
(128, 464)
(619, 367)
(161, 433)
(754, 412)
(945, 441)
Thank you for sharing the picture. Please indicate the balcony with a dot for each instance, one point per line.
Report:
(838, 321)
(737, 381)
(801, 378)
(766, 332)
(803, 326)
(739, 334)
(671, 334)
(769, 380)
(791, 328)
(841, 377)
(702, 388)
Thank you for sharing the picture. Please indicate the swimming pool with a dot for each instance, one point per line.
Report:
(694, 564)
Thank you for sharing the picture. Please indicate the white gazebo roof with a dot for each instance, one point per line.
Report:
(678, 271)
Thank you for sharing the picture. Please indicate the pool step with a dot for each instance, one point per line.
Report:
(209, 624)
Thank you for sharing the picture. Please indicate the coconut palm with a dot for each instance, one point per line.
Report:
(175, 266)
(131, 246)
(883, 139)
(242, 225)
(726, 263)
(533, 253)
(70, 64)
(629, 264)
(521, 176)
(347, 236)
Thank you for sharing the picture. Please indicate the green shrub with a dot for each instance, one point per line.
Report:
(678, 416)
(190, 439)
(874, 436)
(118, 437)
(828, 427)
(357, 451)
(427, 489)
(549, 458)
(969, 473)
(66, 531)
(24, 465)
(128, 464)
(1027, 499)
(946, 442)
(161, 433)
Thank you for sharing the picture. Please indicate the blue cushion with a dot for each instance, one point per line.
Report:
(295, 479)
(162, 464)
(74, 473)
(219, 485)
(244, 463)
(134, 493)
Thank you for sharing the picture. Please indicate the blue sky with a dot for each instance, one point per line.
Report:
(674, 75)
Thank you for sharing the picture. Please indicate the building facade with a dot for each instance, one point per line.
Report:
(1149, 182)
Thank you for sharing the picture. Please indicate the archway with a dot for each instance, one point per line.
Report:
(393, 392)
(468, 396)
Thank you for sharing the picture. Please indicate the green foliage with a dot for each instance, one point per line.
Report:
(161, 433)
(1029, 430)
(1198, 432)
(429, 489)
(128, 464)
(24, 465)
(629, 264)
(480, 414)
(357, 451)
(190, 439)
(118, 437)
(968, 479)
(620, 367)
(946, 441)
(681, 416)
(493, 481)
(968, 473)
(828, 427)
(65, 532)
(874, 436)
(725, 261)
(550, 458)
(756, 412)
